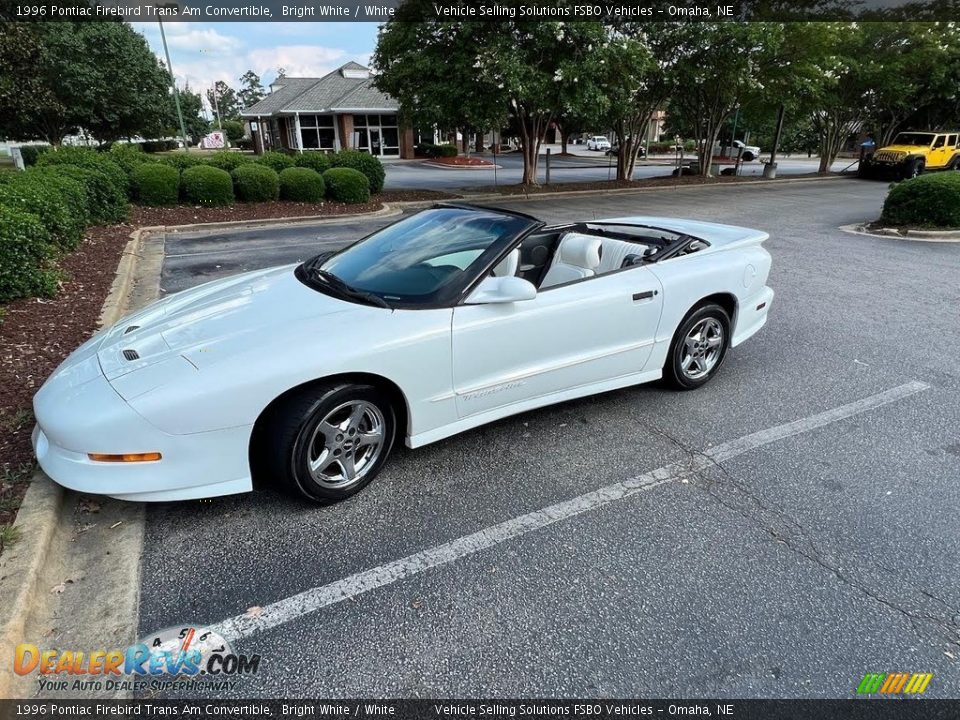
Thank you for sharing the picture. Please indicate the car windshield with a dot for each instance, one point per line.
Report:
(428, 258)
(913, 139)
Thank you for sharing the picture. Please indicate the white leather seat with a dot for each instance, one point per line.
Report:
(614, 252)
(508, 266)
(577, 256)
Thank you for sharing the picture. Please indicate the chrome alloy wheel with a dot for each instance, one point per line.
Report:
(702, 348)
(346, 444)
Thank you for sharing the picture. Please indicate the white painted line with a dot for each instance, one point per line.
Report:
(309, 601)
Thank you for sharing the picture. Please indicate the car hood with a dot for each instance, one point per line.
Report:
(194, 326)
(903, 148)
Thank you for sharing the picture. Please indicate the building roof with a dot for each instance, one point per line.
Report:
(348, 88)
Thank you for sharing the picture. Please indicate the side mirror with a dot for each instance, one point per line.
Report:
(502, 290)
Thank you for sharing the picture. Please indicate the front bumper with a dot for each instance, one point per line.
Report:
(78, 412)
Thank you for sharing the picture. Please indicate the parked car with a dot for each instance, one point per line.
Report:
(598, 142)
(911, 154)
(747, 153)
(306, 375)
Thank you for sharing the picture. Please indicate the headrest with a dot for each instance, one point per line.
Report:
(509, 265)
(580, 250)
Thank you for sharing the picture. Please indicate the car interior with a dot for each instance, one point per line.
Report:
(556, 256)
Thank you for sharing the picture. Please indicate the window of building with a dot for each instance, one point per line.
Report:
(377, 134)
(317, 132)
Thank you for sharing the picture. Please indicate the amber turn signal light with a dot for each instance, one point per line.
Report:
(125, 457)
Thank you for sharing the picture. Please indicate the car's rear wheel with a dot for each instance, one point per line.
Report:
(699, 347)
(748, 156)
(327, 443)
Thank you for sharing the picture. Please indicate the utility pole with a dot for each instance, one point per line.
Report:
(173, 84)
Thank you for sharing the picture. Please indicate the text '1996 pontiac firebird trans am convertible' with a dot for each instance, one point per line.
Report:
(305, 376)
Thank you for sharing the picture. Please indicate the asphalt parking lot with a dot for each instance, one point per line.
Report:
(587, 167)
(788, 564)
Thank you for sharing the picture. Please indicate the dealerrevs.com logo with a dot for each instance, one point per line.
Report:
(188, 657)
(894, 683)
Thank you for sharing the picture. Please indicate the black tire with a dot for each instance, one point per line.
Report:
(748, 157)
(291, 437)
(864, 171)
(912, 168)
(673, 371)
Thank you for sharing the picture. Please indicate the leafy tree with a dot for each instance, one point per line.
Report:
(223, 101)
(719, 67)
(252, 91)
(100, 76)
(191, 105)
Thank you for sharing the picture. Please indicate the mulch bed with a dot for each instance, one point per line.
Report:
(36, 334)
(663, 181)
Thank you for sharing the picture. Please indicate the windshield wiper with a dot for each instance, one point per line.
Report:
(343, 288)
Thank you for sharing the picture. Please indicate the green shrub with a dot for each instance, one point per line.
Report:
(366, 163)
(156, 184)
(104, 202)
(301, 184)
(925, 201)
(226, 160)
(433, 151)
(32, 153)
(315, 160)
(275, 160)
(233, 129)
(347, 185)
(155, 146)
(128, 156)
(26, 257)
(205, 185)
(255, 183)
(70, 182)
(35, 193)
(90, 159)
(181, 160)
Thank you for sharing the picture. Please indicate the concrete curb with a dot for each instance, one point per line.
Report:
(927, 236)
(39, 515)
(441, 166)
(386, 211)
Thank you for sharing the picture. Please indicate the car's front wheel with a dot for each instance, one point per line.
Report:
(699, 347)
(328, 442)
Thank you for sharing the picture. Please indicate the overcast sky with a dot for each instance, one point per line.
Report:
(202, 53)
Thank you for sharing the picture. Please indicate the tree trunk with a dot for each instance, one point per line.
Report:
(531, 135)
(563, 142)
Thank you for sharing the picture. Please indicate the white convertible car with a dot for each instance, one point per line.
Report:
(305, 376)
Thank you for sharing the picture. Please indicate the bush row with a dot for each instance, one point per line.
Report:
(45, 210)
(160, 184)
(433, 151)
(926, 201)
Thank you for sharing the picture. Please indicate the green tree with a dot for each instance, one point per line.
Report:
(99, 76)
(718, 68)
(223, 101)
(191, 104)
(252, 90)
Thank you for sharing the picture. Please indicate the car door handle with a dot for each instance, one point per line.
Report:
(646, 295)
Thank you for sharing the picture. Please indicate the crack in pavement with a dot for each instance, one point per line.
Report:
(930, 616)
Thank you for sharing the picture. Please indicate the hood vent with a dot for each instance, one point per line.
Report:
(131, 354)
(131, 329)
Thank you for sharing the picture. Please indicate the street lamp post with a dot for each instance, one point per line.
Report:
(173, 84)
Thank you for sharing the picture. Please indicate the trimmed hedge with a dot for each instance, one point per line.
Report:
(102, 199)
(26, 267)
(255, 183)
(32, 153)
(156, 184)
(155, 146)
(366, 163)
(276, 161)
(226, 160)
(301, 184)
(56, 209)
(181, 160)
(90, 159)
(347, 185)
(926, 201)
(128, 156)
(205, 185)
(315, 160)
(433, 151)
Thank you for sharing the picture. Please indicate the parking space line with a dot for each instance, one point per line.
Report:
(314, 599)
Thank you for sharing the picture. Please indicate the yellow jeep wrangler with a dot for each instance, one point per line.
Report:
(912, 153)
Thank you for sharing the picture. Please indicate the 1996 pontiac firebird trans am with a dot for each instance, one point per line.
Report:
(450, 318)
